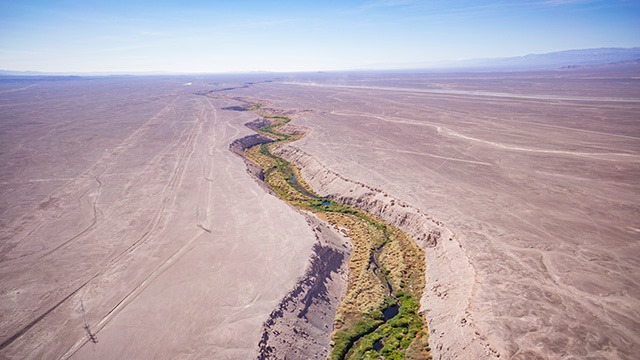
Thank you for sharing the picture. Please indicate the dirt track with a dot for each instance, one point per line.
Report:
(126, 196)
(122, 195)
(539, 187)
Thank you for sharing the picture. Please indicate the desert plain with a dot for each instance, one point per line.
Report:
(130, 230)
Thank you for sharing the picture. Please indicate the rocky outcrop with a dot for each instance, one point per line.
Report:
(238, 147)
(450, 277)
(300, 326)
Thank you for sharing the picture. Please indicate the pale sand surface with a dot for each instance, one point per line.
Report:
(107, 189)
(542, 194)
(122, 193)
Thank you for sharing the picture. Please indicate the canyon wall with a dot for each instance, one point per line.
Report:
(450, 278)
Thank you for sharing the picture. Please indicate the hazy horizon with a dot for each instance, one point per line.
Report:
(287, 36)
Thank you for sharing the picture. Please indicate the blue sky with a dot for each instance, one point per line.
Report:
(232, 36)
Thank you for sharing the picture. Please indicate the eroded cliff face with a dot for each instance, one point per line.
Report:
(450, 277)
(300, 326)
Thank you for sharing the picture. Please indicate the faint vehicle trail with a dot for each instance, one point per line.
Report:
(86, 230)
(569, 128)
(408, 152)
(446, 131)
(28, 326)
(187, 151)
(470, 93)
(98, 169)
(94, 171)
(207, 162)
(448, 110)
(36, 181)
(132, 294)
(599, 156)
(18, 89)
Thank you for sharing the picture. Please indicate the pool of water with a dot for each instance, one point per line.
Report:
(390, 312)
(378, 345)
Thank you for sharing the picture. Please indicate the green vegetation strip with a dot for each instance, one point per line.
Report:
(386, 269)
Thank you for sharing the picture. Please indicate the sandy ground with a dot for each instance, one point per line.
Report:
(121, 196)
(300, 326)
(537, 176)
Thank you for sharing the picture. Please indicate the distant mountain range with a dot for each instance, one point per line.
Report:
(556, 60)
(569, 59)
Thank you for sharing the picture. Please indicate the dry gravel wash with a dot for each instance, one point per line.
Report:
(121, 195)
(536, 175)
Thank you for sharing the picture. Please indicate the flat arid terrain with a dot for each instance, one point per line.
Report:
(130, 230)
(122, 205)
